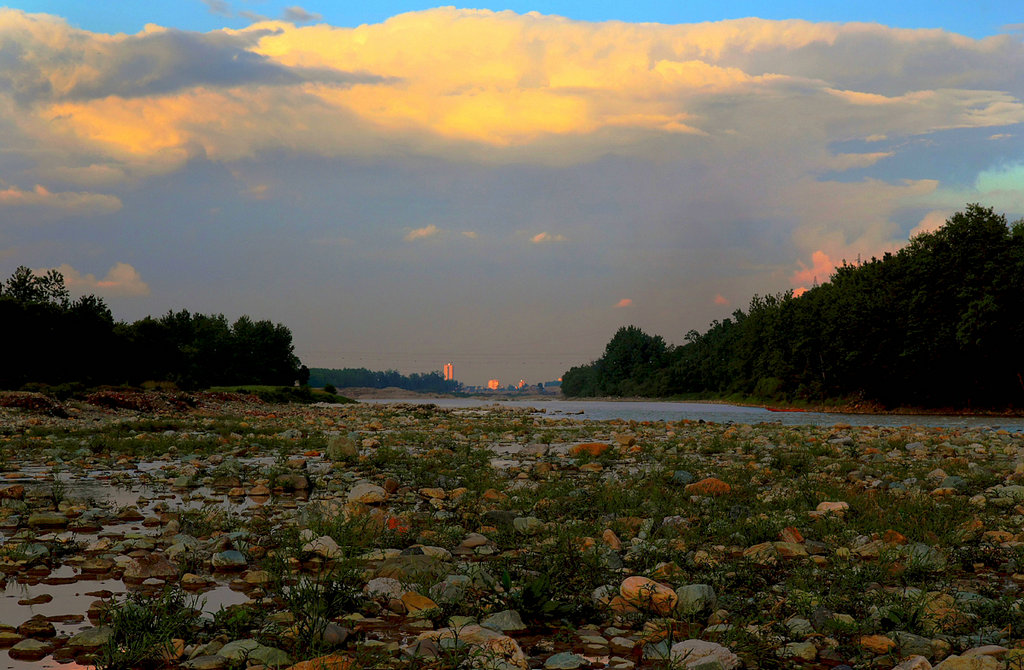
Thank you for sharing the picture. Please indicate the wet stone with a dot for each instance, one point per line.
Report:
(30, 650)
(565, 661)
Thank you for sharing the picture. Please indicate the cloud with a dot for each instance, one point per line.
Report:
(625, 302)
(297, 14)
(68, 202)
(721, 299)
(541, 238)
(817, 272)
(218, 7)
(461, 83)
(471, 234)
(422, 233)
(931, 222)
(121, 280)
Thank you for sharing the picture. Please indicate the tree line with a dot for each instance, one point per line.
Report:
(432, 382)
(940, 323)
(50, 339)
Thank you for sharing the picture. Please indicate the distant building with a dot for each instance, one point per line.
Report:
(493, 384)
(449, 372)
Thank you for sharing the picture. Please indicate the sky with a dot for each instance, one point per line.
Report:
(504, 187)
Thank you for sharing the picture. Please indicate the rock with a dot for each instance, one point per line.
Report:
(647, 594)
(30, 650)
(695, 600)
(837, 508)
(682, 478)
(12, 492)
(323, 546)
(504, 621)
(450, 590)
(148, 567)
(528, 525)
(593, 449)
(912, 645)
(37, 627)
(91, 638)
(417, 568)
(996, 650)
(877, 644)
(259, 491)
(692, 653)
(914, 663)
(238, 650)
(47, 520)
(565, 661)
(924, 557)
(367, 493)
(331, 662)
(497, 651)
(293, 482)
(229, 560)
(708, 487)
(969, 663)
(419, 605)
(805, 651)
(9, 638)
(270, 657)
(342, 447)
(383, 588)
(211, 662)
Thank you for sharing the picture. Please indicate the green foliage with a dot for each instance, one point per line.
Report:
(432, 382)
(61, 342)
(143, 627)
(936, 324)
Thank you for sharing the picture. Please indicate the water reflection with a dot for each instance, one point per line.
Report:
(603, 410)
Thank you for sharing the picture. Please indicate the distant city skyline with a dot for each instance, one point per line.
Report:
(404, 185)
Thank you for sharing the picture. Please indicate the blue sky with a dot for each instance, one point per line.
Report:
(494, 188)
(975, 19)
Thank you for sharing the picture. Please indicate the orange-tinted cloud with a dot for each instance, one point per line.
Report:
(931, 222)
(422, 233)
(625, 302)
(819, 271)
(721, 299)
(121, 280)
(457, 82)
(541, 238)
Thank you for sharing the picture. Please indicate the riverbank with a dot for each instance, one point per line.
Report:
(412, 536)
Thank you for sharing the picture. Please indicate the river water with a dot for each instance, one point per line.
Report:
(603, 410)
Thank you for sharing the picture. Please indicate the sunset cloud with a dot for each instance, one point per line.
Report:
(68, 201)
(625, 302)
(541, 238)
(817, 272)
(931, 222)
(422, 233)
(121, 280)
(674, 161)
(447, 80)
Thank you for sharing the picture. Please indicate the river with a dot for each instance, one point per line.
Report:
(641, 410)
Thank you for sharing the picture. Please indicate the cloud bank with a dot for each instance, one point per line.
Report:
(677, 162)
